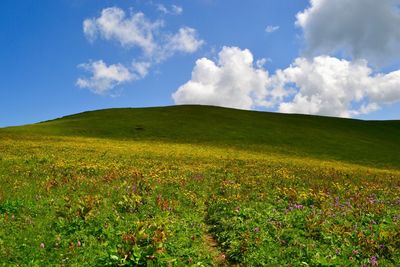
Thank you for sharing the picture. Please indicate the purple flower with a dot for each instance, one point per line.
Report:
(373, 261)
(336, 204)
(298, 206)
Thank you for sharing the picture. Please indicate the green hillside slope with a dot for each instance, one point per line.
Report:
(200, 186)
(364, 142)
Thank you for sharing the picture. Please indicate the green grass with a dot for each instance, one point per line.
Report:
(365, 142)
(199, 186)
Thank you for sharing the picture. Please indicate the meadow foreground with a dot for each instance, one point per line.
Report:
(87, 201)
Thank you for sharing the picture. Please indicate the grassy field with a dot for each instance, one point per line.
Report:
(200, 186)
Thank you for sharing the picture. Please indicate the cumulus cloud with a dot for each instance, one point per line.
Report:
(104, 78)
(385, 88)
(185, 40)
(326, 86)
(271, 28)
(329, 86)
(232, 81)
(141, 68)
(133, 30)
(367, 29)
(137, 30)
(323, 85)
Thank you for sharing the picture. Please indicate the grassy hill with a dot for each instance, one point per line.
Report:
(364, 142)
(200, 186)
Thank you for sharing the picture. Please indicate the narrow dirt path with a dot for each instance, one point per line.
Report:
(219, 258)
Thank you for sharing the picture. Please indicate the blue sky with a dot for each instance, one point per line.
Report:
(291, 67)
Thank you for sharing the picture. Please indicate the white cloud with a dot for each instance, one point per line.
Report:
(385, 88)
(323, 85)
(174, 10)
(260, 63)
(330, 86)
(162, 8)
(271, 28)
(90, 29)
(137, 30)
(177, 9)
(134, 30)
(367, 29)
(185, 40)
(141, 68)
(130, 31)
(104, 78)
(233, 81)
